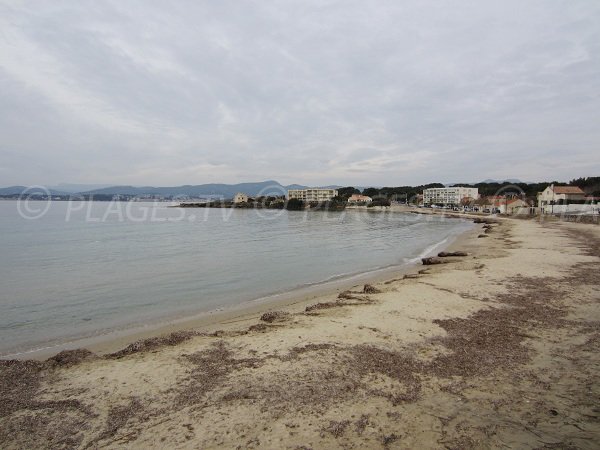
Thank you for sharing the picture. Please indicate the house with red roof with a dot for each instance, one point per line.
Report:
(357, 198)
(559, 195)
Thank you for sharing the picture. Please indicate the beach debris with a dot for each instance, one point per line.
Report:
(19, 383)
(118, 416)
(25, 414)
(347, 295)
(482, 236)
(485, 221)
(387, 440)
(399, 366)
(224, 333)
(295, 351)
(368, 289)
(431, 261)
(272, 316)
(447, 254)
(423, 271)
(410, 275)
(476, 349)
(153, 343)
(68, 358)
(323, 305)
(211, 368)
(337, 429)
(361, 424)
(258, 327)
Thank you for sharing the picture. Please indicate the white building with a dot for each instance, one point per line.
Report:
(555, 195)
(511, 206)
(240, 197)
(449, 195)
(357, 198)
(312, 194)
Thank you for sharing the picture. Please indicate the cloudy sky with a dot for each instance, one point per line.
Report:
(315, 92)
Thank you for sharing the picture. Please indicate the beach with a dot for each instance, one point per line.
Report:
(495, 349)
(69, 282)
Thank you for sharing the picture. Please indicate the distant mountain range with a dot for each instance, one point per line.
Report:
(76, 188)
(18, 190)
(218, 190)
(490, 181)
(269, 187)
(509, 180)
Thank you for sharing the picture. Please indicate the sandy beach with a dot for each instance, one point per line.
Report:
(495, 349)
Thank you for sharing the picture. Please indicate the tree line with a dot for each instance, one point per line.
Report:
(590, 185)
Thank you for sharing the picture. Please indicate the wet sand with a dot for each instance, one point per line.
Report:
(497, 349)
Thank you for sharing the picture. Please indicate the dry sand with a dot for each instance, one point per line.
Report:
(498, 349)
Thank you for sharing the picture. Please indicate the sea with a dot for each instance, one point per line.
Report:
(71, 270)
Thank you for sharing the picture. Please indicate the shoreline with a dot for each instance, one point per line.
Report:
(497, 347)
(228, 317)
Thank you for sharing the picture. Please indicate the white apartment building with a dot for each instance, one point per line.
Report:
(449, 195)
(312, 194)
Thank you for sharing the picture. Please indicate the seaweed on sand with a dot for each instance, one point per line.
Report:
(493, 337)
(361, 424)
(398, 366)
(68, 358)
(154, 343)
(368, 289)
(28, 419)
(347, 295)
(337, 429)
(210, 369)
(323, 305)
(19, 384)
(274, 316)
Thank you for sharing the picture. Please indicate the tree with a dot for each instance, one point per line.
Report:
(295, 204)
(371, 192)
(346, 192)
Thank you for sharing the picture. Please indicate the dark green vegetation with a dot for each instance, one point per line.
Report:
(590, 185)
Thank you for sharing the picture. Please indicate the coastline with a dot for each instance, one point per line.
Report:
(243, 314)
(498, 348)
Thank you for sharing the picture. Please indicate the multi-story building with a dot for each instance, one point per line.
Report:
(312, 194)
(449, 195)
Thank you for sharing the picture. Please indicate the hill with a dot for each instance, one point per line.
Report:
(270, 187)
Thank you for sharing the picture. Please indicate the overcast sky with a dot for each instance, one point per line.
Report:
(314, 92)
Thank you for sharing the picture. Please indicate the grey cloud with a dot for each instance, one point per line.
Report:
(343, 92)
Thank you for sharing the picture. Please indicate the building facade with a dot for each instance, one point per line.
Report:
(511, 206)
(312, 194)
(556, 195)
(240, 197)
(357, 198)
(449, 195)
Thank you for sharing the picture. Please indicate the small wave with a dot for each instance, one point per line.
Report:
(20, 354)
(428, 251)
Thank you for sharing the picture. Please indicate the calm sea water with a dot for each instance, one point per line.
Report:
(85, 268)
